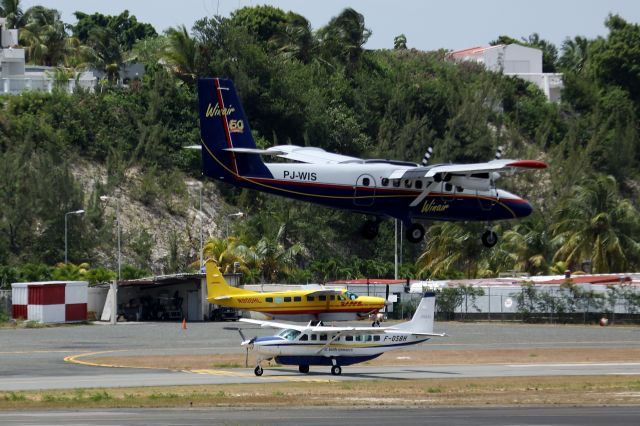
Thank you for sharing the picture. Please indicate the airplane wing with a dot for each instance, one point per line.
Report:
(498, 166)
(274, 324)
(324, 292)
(303, 154)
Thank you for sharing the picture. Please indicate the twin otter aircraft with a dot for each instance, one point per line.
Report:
(378, 188)
(294, 305)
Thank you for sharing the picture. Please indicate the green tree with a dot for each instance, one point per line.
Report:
(343, 39)
(124, 28)
(596, 224)
(451, 251)
(400, 42)
(44, 36)
(11, 10)
(181, 53)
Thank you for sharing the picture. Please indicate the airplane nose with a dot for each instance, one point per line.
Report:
(523, 208)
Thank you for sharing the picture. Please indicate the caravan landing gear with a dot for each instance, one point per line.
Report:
(258, 371)
(336, 370)
(303, 369)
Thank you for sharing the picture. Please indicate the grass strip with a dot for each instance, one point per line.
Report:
(508, 391)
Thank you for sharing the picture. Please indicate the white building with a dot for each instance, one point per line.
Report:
(515, 60)
(16, 77)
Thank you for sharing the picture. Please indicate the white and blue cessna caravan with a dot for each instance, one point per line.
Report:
(305, 345)
(377, 188)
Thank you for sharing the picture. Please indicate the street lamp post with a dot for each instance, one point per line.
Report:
(105, 198)
(66, 215)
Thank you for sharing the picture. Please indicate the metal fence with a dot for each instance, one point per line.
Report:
(5, 304)
(550, 305)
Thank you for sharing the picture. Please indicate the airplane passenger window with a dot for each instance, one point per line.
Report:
(297, 299)
(287, 299)
(322, 298)
(376, 338)
(323, 337)
(269, 299)
(359, 338)
(396, 183)
(332, 297)
(448, 187)
(385, 182)
(365, 181)
(314, 337)
(407, 183)
(310, 298)
(368, 338)
(418, 184)
(348, 338)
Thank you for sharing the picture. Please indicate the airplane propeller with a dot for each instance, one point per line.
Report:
(247, 343)
(427, 156)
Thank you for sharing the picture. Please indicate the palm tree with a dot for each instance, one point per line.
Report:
(44, 36)
(274, 256)
(227, 253)
(11, 10)
(181, 53)
(574, 54)
(344, 37)
(296, 39)
(596, 224)
(104, 52)
(528, 245)
(450, 247)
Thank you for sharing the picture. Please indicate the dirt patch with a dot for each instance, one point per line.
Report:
(406, 357)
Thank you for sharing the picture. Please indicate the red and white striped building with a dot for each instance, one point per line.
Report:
(50, 301)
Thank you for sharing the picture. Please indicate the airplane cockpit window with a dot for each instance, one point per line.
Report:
(289, 334)
(448, 187)
(304, 338)
(350, 296)
(385, 182)
(407, 183)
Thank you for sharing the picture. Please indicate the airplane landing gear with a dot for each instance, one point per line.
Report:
(336, 370)
(369, 229)
(258, 371)
(489, 238)
(303, 369)
(415, 233)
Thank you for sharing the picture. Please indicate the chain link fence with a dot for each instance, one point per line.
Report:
(5, 305)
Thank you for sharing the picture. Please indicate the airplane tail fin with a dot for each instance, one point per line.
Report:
(422, 321)
(223, 127)
(217, 286)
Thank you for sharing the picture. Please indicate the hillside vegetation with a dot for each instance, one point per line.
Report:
(60, 152)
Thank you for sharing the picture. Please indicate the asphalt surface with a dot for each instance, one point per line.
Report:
(34, 358)
(619, 416)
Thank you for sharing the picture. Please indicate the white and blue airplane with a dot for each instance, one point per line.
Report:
(306, 345)
(377, 188)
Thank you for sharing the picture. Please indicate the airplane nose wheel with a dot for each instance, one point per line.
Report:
(258, 371)
(489, 238)
(336, 370)
(415, 233)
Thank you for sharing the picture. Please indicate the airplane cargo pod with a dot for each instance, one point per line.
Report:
(50, 301)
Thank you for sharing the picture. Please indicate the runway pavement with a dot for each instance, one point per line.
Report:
(587, 416)
(35, 358)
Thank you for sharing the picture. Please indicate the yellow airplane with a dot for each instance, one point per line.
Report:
(294, 305)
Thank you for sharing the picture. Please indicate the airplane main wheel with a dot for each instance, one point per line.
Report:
(258, 371)
(415, 233)
(336, 370)
(303, 369)
(489, 239)
(369, 230)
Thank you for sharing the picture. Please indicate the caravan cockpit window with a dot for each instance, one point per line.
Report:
(289, 334)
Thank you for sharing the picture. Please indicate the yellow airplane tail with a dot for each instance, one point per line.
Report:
(217, 288)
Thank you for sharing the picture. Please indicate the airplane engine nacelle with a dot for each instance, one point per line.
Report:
(477, 184)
